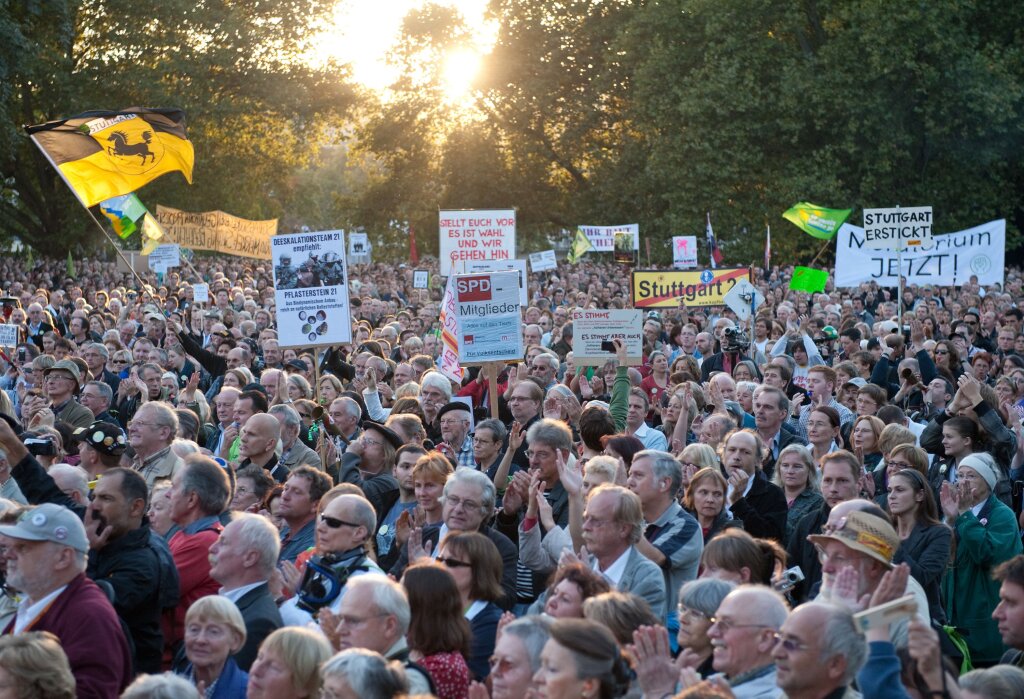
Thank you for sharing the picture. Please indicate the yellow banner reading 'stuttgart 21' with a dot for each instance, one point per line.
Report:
(663, 288)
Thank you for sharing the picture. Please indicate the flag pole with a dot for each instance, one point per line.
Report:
(811, 263)
(88, 210)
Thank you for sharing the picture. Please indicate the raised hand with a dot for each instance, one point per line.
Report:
(656, 672)
(949, 500)
(892, 586)
(971, 389)
(586, 390)
(418, 548)
(371, 380)
(516, 436)
(571, 478)
(328, 622)
(738, 479)
(845, 587)
(544, 511)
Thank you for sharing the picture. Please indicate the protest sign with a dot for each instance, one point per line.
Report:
(478, 267)
(684, 251)
(475, 235)
(359, 248)
(591, 327)
(489, 322)
(602, 238)
(218, 232)
(623, 248)
(164, 257)
(311, 289)
(808, 279)
(543, 261)
(664, 288)
(201, 293)
(951, 260)
(420, 279)
(892, 229)
(8, 335)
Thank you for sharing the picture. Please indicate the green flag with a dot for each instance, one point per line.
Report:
(580, 246)
(816, 220)
(123, 212)
(808, 279)
(71, 266)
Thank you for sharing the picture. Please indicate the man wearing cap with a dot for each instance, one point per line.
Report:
(454, 419)
(150, 433)
(100, 446)
(369, 462)
(257, 445)
(45, 552)
(62, 382)
(126, 557)
(865, 543)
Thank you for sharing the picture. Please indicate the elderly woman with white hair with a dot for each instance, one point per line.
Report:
(214, 631)
(986, 535)
(362, 673)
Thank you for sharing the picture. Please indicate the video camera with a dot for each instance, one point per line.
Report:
(735, 340)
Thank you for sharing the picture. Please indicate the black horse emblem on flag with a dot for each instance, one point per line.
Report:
(123, 149)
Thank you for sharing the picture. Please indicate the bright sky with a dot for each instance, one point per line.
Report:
(366, 29)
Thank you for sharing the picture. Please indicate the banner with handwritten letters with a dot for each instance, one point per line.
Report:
(217, 231)
(950, 259)
(311, 289)
(603, 237)
(664, 288)
(592, 327)
(475, 235)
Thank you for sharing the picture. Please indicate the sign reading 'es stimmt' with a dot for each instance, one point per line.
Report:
(896, 229)
(475, 235)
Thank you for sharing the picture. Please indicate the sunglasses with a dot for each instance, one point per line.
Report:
(454, 562)
(335, 523)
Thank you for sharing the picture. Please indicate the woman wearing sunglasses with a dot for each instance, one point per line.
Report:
(474, 562)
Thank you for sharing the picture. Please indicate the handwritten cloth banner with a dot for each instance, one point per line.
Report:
(217, 231)
(951, 260)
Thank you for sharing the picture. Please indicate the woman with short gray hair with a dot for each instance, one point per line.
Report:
(363, 673)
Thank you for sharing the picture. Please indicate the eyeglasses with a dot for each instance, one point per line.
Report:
(372, 442)
(898, 464)
(349, 620)
(455, 501)
(335, 523)
(941, 351)
(838, 560)
(454, 562)
(683, 611)
(789, 644)
(451, 421)
(725, 624)
(54, 377)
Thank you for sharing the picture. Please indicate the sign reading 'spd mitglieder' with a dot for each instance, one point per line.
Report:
(664, 288)
(489, 323)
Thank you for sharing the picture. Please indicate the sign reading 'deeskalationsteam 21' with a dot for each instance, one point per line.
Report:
(311, 289)
(489, 323)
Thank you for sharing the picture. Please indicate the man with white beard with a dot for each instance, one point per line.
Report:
(860, 538)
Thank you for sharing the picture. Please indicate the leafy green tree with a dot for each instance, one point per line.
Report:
(257, 109)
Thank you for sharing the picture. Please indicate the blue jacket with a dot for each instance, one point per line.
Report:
(231, 684)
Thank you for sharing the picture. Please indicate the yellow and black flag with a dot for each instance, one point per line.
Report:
(107, 154)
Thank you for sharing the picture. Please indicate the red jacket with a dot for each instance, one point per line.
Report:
(90, 634)
(192, 558)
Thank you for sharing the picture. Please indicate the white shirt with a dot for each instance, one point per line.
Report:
(239, 592)
(615, 571)
(28, 612)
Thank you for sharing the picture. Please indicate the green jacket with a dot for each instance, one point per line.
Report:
(968, 590)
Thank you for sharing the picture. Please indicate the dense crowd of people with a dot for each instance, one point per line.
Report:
(822, 502)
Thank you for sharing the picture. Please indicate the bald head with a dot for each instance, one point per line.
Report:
(259, 437)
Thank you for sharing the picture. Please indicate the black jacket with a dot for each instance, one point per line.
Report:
(763, 510)
(786, 437)
(130, 570)
(802, 552)
(261, 619)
